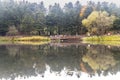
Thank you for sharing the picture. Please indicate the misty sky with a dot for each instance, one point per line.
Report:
(62, 2)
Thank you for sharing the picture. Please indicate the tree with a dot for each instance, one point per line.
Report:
(40, 19)
(33, 18)
(98, 22)
(27, 24)
(78, 28)
(71, 18)
(12, 31)
(54, 19)
(116, 26)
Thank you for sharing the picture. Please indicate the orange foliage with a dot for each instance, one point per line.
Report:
(83, 11)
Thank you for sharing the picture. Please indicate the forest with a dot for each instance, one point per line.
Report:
(26, 18)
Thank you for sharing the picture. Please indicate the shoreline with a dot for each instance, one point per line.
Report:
(102, 38)
(59, 38)
(24, 38)
(40, 40)
(111, 40)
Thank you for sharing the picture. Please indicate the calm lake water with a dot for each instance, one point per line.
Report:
(59, 61)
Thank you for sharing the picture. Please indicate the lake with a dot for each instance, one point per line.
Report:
(59, 61)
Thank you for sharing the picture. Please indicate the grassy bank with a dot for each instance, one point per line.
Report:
(21, 38)
(31, 42)
(102, 38)
(32, 38)
(23, 43)
(113, 40)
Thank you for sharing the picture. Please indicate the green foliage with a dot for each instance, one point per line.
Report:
(98, 22)
(12, 31)
(116, 26)
(33, 18)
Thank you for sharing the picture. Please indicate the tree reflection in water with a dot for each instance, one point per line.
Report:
(73, 60)
(100, 58)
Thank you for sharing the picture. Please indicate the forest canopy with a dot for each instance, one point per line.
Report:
(25, 18)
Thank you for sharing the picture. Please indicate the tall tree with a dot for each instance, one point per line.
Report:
(54, 19)
(116, 26)
(98, 22)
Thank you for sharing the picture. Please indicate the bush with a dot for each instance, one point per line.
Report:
(12, 31)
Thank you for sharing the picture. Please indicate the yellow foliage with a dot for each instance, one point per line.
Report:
(99, 61)
(93, 16)
(104, 13)
(99, 22)
(85, 22)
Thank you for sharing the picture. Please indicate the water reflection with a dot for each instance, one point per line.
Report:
(59, 61)
(100, 58)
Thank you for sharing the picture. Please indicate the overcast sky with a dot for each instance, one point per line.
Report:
(62, 2)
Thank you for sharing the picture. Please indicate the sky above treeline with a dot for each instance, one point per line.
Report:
(62, 2)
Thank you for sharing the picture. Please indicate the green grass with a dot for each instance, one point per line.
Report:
(31, 42)
(5, 39)
(102, 38)
(28, 38)
(113, 40)
(32, 38)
